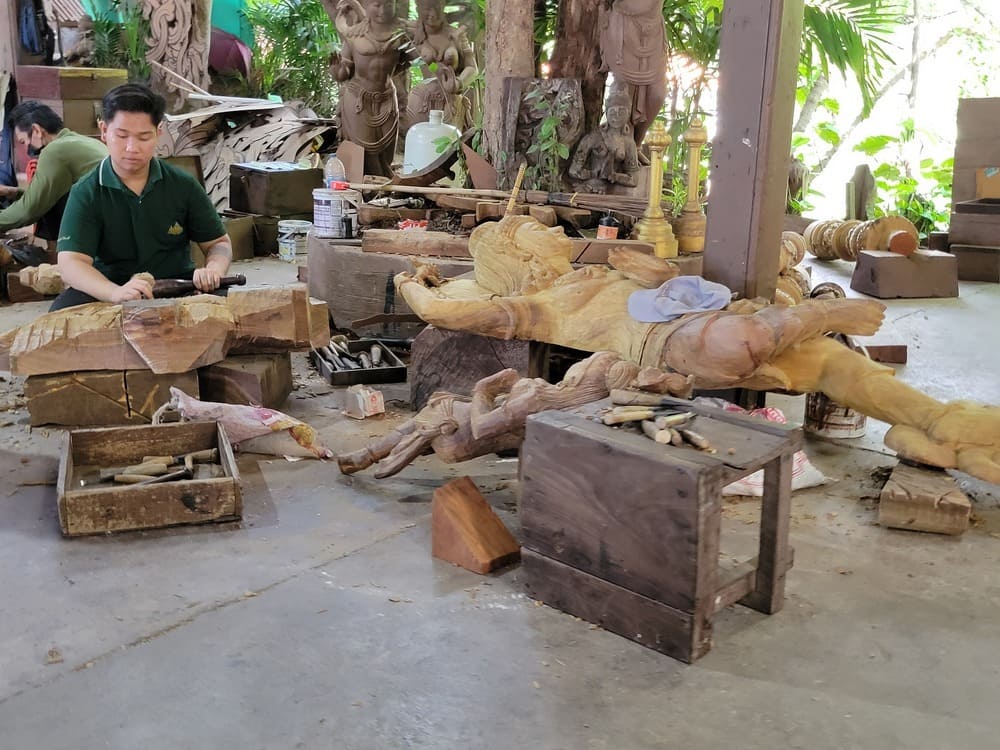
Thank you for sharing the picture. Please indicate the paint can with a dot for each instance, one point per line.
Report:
(292, 238)
(331, 206)
(829, 419)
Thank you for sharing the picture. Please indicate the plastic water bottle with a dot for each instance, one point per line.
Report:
(333, 171)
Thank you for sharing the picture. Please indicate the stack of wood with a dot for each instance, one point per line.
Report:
(126, 357)
(793, 284)
(832, 239)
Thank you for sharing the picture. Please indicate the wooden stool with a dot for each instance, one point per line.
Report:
(624, 532)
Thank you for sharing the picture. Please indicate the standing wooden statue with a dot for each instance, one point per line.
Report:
(607, 156)
(374, 49)
(448, 65)
(634, 48)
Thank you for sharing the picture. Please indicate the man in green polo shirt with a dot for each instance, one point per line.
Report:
(135, 213)
(63, 158)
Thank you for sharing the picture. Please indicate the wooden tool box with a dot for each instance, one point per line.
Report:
(106, 508)
(625, 532)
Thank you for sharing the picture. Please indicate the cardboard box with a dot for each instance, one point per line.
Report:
(105, 508)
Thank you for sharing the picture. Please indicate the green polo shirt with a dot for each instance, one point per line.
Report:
(64, 161)
(127, 233)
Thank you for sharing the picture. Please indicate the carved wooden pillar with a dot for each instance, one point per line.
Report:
(509, 52)
(179, 37)
(749, 172)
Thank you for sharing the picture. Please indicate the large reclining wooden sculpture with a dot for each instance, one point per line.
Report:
(525, 288)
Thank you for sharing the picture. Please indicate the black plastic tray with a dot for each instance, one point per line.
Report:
(391, 370)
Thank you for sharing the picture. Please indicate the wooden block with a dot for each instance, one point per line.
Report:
(18, 292)
(543, 214)
(173, 336)
(455, 361)
(302, 274)
(974, 229)
(368, 214)
(111, 397)
(465, 530)
(469, 221)
(889, 354)
(938, 241)
(457, 202)
(496, 210)
(923, 500)
(262, 379)
(887, 275)
(575, 217)
(415, 242)
(359, 285)
(269, 319)
(79, 398)
(89, 337)
(977, 262)
(148, 391)
(103, 509)
(319, 323)
(646, 621)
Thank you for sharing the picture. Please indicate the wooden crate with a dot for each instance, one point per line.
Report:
(52, 82)
(104, 509)
(624, 532)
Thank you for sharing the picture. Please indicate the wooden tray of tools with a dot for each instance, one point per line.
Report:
(343, 364)
(193, 463)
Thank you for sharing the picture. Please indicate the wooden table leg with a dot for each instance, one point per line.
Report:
(769, 590)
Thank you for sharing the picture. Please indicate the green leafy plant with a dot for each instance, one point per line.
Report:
(448, 142)
(293, 40)
(548, 149)
(120, 37)
(920, 192)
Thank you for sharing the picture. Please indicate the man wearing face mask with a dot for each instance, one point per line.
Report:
(63, 158)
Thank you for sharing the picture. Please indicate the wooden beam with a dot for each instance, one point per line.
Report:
(750, 156)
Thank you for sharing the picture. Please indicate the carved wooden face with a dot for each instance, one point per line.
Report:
(432, 14)
(381, 11)
(617, 114)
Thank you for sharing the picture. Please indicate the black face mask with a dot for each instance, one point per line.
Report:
(34, 152)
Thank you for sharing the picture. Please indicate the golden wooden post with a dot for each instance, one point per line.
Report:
(691, 223)
(653, 227)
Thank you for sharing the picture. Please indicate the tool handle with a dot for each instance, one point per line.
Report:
(163, 288)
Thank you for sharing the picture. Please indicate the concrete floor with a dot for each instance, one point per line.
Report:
(322, 621)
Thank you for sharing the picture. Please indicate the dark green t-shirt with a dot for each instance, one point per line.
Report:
(127, 233)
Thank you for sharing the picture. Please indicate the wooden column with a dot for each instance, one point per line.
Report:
(758, 66)
(8, 36)
(509, 52)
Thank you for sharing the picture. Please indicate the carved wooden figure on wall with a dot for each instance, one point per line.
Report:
(634, 49)
(448, 65)
(607, 156)
(374, 49)
(179, 36)
(525, 288)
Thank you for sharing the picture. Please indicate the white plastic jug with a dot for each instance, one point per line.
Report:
(423, 142)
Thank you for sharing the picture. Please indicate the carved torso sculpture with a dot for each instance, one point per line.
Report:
(448, 65)
(634, 48)
(607, 156)
(374, 48)
(525, 289)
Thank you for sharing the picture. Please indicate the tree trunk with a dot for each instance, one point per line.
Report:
(509, 52)
(811, 104)
(577, 53)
